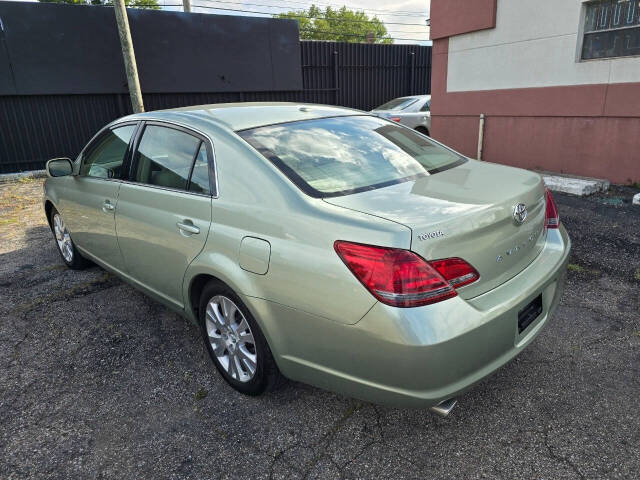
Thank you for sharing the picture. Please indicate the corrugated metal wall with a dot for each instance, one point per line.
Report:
(38, 127)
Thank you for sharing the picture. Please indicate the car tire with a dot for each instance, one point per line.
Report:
(422, 130)
(233, 339)
(66, 248)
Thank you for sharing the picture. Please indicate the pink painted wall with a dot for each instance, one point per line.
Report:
(453, 17)
(590, 130)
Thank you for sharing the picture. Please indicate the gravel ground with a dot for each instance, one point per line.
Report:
(98, 381)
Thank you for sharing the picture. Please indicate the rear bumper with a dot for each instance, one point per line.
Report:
(418, 357)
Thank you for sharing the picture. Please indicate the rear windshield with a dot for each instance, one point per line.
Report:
(341, 155)
(397, 104)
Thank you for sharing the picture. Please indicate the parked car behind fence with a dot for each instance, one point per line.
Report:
(414, 112)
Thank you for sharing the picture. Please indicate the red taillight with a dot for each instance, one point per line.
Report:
(395, 119)
(401, 278)
(456, 271)
(552, 219)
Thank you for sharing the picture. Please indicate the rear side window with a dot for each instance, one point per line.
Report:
(426, 107)
(165, 157)
(200, 176)
(104, 160)
(341, 155)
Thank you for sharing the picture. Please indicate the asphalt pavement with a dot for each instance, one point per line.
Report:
(97, 381)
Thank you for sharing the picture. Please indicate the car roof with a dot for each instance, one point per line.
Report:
(241, 116)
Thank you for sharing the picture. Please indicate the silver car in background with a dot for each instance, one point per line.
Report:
(414, 112)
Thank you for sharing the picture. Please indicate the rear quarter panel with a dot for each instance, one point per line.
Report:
(304, 272)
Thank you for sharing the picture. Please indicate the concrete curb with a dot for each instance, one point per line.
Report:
(580, 186)
(10, 177)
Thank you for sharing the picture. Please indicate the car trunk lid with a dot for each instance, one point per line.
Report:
(466, 212)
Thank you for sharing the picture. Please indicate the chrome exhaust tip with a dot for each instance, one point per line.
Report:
(444, 408)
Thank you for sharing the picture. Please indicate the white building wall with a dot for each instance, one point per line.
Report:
(535, 44)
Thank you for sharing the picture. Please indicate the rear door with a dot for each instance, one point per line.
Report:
(164, 210)
(417, 114)
(90, 201)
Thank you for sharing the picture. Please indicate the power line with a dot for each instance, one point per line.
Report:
(306, 5)
(356, 8)
(300, 16)
(391, 30)
(311, 31)
(363, 35)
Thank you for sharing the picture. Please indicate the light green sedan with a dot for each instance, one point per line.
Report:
(317, 243)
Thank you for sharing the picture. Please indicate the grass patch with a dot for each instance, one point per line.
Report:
(574, 267)
(27, 179)
(201, 394)
(637, 275)
(50, 268)
(20, 204)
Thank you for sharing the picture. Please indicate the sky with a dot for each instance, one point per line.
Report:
(405, 19)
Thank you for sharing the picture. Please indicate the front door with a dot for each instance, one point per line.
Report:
(163, 214)
(92, 198)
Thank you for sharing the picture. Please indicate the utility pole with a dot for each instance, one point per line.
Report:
(187, 5)
(128, 55)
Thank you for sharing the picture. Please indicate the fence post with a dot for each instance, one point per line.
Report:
(412, 80)
(429, 63)
(122, 108)
(335, 77)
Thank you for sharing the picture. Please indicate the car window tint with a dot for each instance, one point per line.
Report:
(165, 156)
(200, 176)
(340, 155)
(105, 159)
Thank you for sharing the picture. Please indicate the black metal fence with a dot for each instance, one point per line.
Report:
(34, 128)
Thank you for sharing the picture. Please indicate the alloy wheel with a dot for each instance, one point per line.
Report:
(231, 338)
(63, 238)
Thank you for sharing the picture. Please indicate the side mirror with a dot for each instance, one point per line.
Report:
(59, 167)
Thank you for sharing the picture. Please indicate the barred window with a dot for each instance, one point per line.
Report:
(611, 29)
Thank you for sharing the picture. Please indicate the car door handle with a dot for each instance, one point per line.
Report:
(188, 227)
(107, 207)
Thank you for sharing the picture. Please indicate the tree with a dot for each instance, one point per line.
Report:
(341, 25)
(152, 4)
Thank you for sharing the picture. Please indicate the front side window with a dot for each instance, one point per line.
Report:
(611, 29)
(165, 157)
(340, 155)
(104, 160)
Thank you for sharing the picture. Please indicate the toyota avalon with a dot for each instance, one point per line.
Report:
(322, 244)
